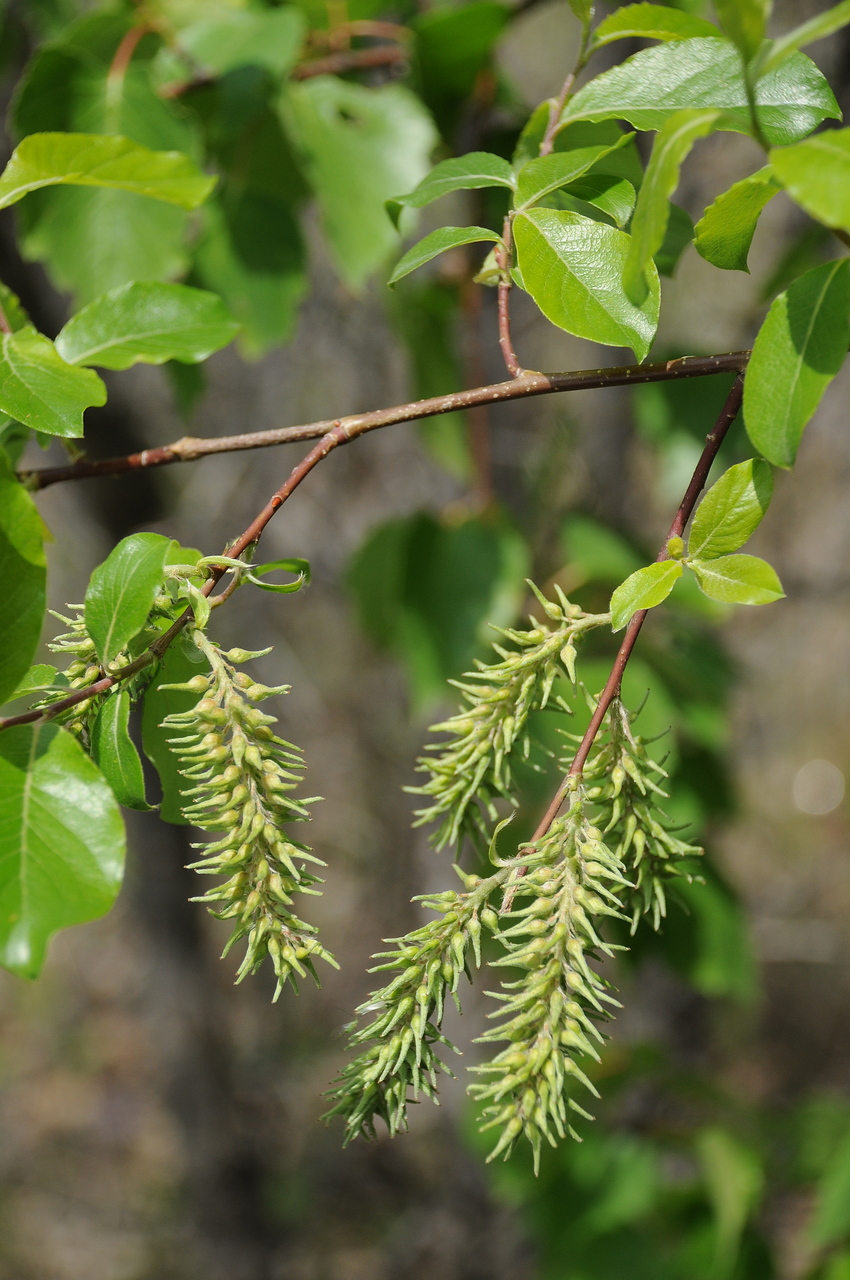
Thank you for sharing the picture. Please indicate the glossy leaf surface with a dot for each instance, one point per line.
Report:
(61, 842)
(732, 510)
(725, 231)
(798, 351)
(38, 388)
(436, 243)
(573, 268)
(644, 589)
(470, 172)
(547, 173)
(738, 580)
(650, 22)
(122, 590)
(147, 322)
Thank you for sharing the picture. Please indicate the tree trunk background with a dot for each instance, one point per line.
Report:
(158, 1123)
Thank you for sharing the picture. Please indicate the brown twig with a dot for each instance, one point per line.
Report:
(713, 442)
(123, 55)
(527, 384)
(503, 256)
(382, 55)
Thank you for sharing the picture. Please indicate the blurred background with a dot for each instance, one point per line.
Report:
(158, 1123)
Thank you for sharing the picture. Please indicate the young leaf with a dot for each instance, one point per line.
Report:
(122, 591)
(643, 590)
(471, 172)
(147, 322)
(436, 243)
(816, 173)
(270, 38)
(798, 351)
(652, 211)
(361, 147)
(725, 231)
(98, 160)
(23, 573)
(114, 753)
(738, 580)
(732, 510)
(291, 565)
(177, 667)
(61, 842)
(39, 389)
(573, 268)
(823, 24)
(537, 178)
(744, 22)
(650, 22)
(651, 86)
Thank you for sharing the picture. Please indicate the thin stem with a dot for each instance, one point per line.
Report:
(503, 256)
(123, 55)
(713, 442)
(527, 384)
(383, 55)
(557, 105)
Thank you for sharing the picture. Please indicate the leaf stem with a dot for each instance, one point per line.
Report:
(713, 441)
(503, 256)
(526, 384)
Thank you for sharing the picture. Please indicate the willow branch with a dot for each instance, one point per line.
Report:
(527, 384)
(384, 55)
(503, 256)
(713, 441)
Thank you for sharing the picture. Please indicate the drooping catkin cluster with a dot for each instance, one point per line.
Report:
(468, 774)
(400, 1024)
(242, 778)
(81, 671)
(625, 795)
(571, 877)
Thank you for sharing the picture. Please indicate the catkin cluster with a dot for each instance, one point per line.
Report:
(400, 1024)
(242, 777)
(473, 771)
(620, 783)
(82, 670)
(570, 878)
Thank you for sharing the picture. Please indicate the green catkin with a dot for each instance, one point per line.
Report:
(571, 878)
(469, 774)
(83, 670)
(242, 778)
(620, 779)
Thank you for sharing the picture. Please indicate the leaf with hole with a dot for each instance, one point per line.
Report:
(732, 510)
(672, 145)
(573, 268)
(436, 243)
(651, 86)
(122, 590)
(471, 172)
(38, 388)
(644, 589)
(61, 842)
(798, 351)
(147, 322)
(114, 752)
(738, 580)
(23, 572)
(725, 231)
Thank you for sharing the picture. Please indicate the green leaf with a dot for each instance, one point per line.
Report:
(823, 24)
(537, 178)
(816, 173)
(831, 1218)
(725, 231)
(436, 243)
(738, 580)
(122, 590)
(361, 147)
(147, 322)
(732, 510)
(798, 351)
(649, 224)
(744, 22)
(96, 160)
(38, 679)
(178, 666)
(614, 196)
(270, 39)
(622, 160)
(475, 170)
(114, 753)
(643, 590)
(39, 389)
(573, 268)
(23, 574)
(651, 86)
(583, 10)
(291, 565)
(677, 237)
(650, 22)
(61, 842)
